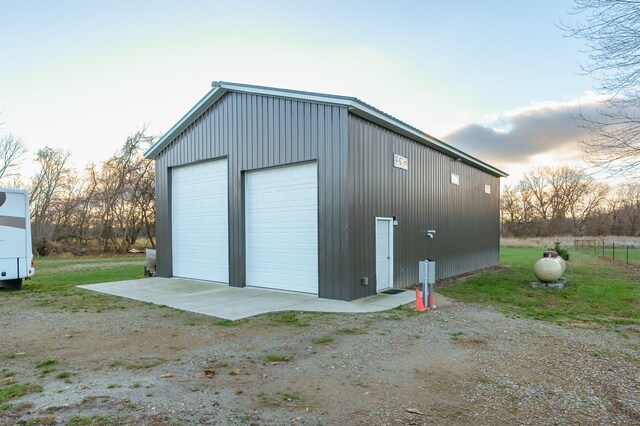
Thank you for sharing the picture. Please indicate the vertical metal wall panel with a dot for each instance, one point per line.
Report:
(422, 197)
(163, 217)
(356, 183)
(253, 132)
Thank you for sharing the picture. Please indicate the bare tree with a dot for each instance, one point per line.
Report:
(551, 201)
(615, 206)
(516, 211)
(535, 192)
(629, 215)
(125, 192)
(610, 30)
(12, 150)
(105, 207)
(45, 192)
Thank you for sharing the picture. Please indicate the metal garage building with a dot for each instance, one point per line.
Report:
(316, 193)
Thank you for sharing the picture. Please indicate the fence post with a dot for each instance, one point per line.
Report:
(603, 249)
(613, 247)
(627, 246)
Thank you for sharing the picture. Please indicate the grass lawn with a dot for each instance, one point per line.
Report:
(598, 292)
(55, 281)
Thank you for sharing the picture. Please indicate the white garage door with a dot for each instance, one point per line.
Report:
(200, 222)
(282, 228)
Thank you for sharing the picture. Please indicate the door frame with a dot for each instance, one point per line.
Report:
(389, 221)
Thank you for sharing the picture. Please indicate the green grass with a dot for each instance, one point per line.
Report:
(323, 340)
(230, 323)
(145, 363)
(290, 397)
(15, 390)
(63, 375)
(47, 265)
(89, 421)
(393, 317)
(457, 335)
(46, 371)
(276, 358)
(66, 280)
(350, 330)
(598, 292)
(48, 420)
(55, 281)
(46, 362)
(290, 318)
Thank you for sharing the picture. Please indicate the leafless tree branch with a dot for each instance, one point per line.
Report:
(12, 151)
(610, 30)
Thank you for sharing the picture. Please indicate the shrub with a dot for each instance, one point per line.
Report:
(562, 252)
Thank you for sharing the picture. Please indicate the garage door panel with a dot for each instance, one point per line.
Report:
(200, 225)
(282, 229)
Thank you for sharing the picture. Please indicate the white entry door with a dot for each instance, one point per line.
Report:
(281, 219)
(200, 222)
(384, 253)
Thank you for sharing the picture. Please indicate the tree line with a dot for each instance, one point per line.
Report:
(550, 201)
(109, 207)
(106, 207)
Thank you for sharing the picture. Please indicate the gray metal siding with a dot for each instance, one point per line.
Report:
(465, 218)
(253, 132)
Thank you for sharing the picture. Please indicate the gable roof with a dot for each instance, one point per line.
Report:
(355, 106)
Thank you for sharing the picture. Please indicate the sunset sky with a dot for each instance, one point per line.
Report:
(496, 79)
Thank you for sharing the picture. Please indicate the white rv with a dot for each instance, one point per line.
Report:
(16, 255)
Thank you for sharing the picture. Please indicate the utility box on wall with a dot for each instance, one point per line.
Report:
(427, 274)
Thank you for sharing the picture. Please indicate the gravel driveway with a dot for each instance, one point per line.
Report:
(460, 364)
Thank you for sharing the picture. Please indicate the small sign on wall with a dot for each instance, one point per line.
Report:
(400, 162)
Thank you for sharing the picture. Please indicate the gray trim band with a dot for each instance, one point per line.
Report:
(13, 222)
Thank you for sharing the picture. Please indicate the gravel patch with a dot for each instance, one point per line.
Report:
(460, 364)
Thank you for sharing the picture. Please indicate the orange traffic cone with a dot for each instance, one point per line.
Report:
(419, 305)
(431, 303)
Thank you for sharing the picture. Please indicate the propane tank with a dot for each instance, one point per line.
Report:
(554, 255)
(563, 264)
(547, 269)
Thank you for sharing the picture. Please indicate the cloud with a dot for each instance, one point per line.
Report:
(526, 135)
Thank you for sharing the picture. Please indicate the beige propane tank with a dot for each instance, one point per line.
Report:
(563, 264)
(547, 269)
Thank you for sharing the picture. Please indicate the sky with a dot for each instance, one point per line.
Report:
(496, 79)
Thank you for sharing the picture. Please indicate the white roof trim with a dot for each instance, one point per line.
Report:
(355, 106)
(191, 116)
(285, 93)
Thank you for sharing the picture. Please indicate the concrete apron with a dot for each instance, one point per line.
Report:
(234, 303)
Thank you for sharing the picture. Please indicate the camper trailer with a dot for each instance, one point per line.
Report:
(16, 255)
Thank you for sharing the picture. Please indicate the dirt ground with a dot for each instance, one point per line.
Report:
(460, 364)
